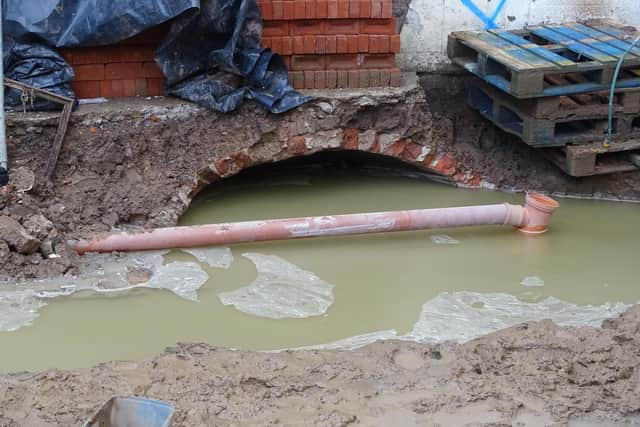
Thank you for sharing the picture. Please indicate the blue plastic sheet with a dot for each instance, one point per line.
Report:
(211, 56)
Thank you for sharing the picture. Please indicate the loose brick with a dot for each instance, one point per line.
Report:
(363, 78)
(289, 10)
(342, 79)
(106, 90)
(378, 61)
(141, 87)
(307, 62)
(287, 61)
(129, 87)
(275, 29)
(276, 44)
(387, 9)
(299, 9)
(354, 8)
(296, 145)
(86, 89)
(374, 78)
(341, 44)
(81, 56)
(396, 148)
(343, 8)
(350, 138)
(298, 44)
(365, 8)
(151, 70)
(286, 46)
(354, 79)
(309, 44)
(320, 45)
(332, 9)
(310, 9)
(331, 44)
(89, 72)
(376, 9)
(341, 26)
(278, 10)
(267, 10)
(303, 28)
(383, 44)
(298, 79)
(309, 79)
(374, 44)
(377, 26)
(363, 43)
(322, 11)
(117, 86)
(394, 43)
(352, 44)
(341, 62)
(155, 87)
(395, 78)
(384, 78)
(321, 80)
(332, 79)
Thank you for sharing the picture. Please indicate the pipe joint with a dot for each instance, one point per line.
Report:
(538, 209)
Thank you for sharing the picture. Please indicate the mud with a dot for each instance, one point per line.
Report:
(532, 374)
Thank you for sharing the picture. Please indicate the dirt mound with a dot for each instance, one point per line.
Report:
(532, 374)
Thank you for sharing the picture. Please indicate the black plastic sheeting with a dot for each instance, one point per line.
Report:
(211, 56)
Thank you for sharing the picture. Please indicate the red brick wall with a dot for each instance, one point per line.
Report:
(121, 70)
(333, 43)
(324, 43)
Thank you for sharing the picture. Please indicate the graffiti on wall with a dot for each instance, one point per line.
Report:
(489, 21)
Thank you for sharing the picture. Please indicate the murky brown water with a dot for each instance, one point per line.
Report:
(590, 256)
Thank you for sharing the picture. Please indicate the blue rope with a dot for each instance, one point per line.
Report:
(613, 91)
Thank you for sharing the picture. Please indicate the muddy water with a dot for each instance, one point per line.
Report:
(381, 282)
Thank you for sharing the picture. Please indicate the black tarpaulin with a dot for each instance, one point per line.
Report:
(211, 56)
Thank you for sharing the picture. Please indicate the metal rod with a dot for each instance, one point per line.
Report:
(4, 159)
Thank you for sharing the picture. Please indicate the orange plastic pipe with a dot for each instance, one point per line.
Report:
(533, 218)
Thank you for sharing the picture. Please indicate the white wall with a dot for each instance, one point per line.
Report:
(627, 11)
(424, 36)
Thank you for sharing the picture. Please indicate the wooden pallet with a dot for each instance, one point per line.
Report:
(590, 125)
(560, 107)
(595, 159)
(549, 60)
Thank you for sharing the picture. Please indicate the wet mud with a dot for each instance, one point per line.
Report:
(532, 374)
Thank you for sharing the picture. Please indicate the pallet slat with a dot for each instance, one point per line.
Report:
(573, 45)
(503, 51)
(592, 32)
(537, 50)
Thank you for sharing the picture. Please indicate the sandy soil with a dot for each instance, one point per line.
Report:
(533, 374)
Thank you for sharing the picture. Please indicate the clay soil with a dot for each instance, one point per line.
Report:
(534, 374)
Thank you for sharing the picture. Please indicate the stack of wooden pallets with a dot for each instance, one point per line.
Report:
(549, 85)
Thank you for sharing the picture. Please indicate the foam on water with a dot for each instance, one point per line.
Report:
(462, 316)
(281, 290)
(443, 239)
(532, 281)
(19, 304)
(218, 257)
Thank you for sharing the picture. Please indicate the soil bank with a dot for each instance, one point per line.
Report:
(532, 374)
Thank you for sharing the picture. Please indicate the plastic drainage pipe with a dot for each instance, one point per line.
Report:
(532, 218)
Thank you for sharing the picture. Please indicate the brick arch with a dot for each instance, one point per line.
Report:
(271, 150)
